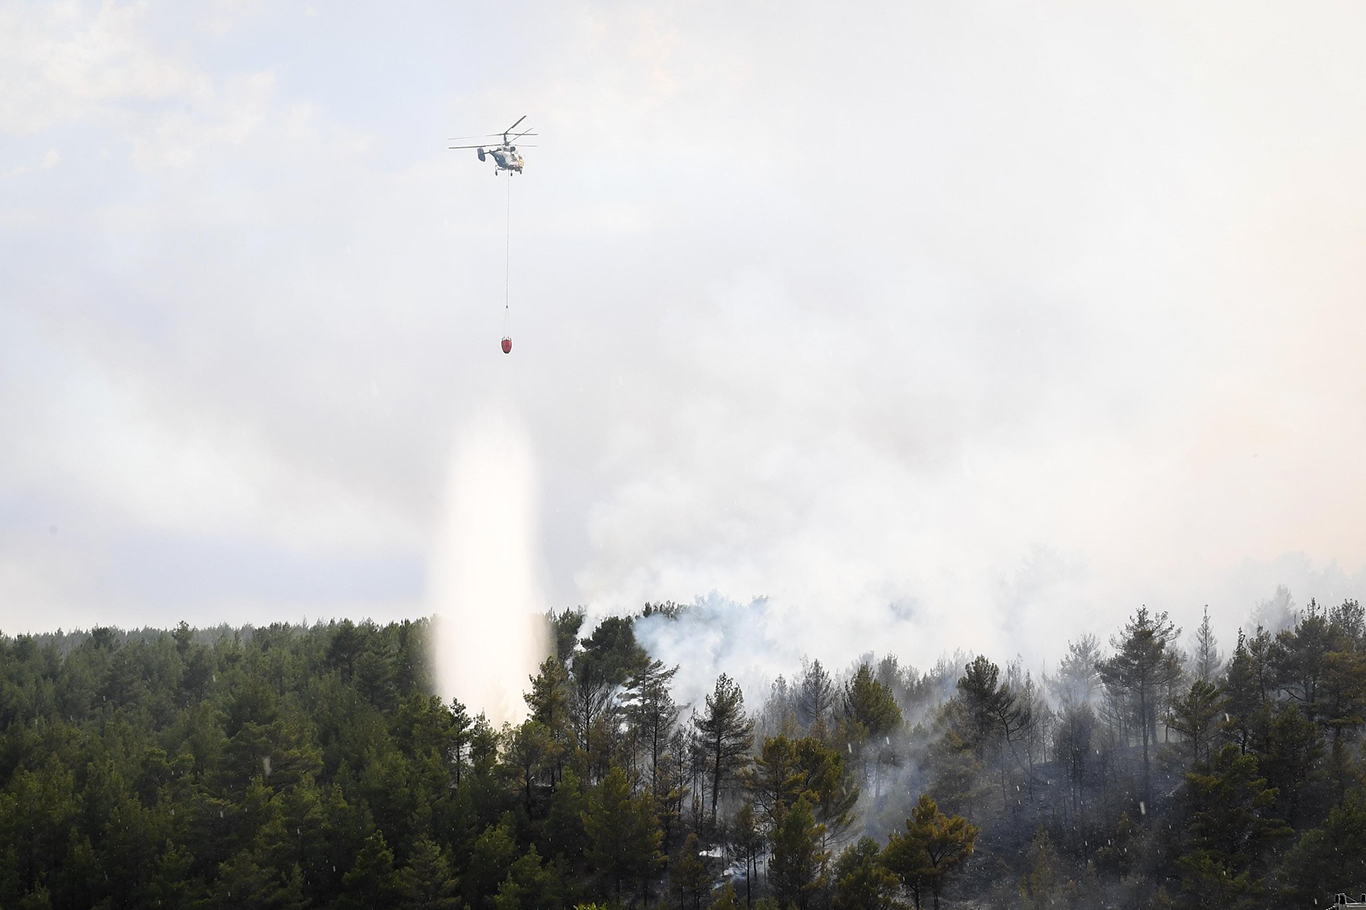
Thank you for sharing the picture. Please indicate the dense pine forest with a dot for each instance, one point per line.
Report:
(294, 766)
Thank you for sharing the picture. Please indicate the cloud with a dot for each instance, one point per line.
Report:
(50, 160)
(71, 61)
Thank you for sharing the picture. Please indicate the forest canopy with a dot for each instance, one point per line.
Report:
(294, 766)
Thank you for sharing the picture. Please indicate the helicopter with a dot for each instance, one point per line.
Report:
(505, 157)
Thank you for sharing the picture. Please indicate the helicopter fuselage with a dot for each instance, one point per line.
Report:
(505, 156)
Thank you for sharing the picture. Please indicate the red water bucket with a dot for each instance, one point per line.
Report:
(507, 344)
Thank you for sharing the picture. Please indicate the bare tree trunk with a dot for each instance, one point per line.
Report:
(1143, 719)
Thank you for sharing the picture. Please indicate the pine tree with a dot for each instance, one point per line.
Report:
(1195, 716)
(830, 787)
(530, 754)
(1078, 681)
(605, 663)
(1034, 719)
(1039, 889)
(1297, 657)
(984, 701)
(933, 846)
(1230, 827)
(797, 869)
(549, 701)
(1206, 661)
(371, 881)
(1294, 748)
(565, 627)
(724, 735)
(1344, 706)
(1143, 668)
(653, 714)
(564, 832)
(458, 737)
(346, 647)
(869, 705)
(748, 840)
(815, 697)
(490, 859)
(529, 885)
(985, 714)
(959, 777)
(1072, 748)
(623, 833)
(726, 900)
(787, 770)
(426, 882)
(1248, 685)
(690, 875)
(1328, 856)
(862, 882)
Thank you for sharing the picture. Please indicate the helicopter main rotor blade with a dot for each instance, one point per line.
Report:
(467, 146)
(514, 126)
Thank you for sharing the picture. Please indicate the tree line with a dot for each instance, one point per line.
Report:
(294, 766)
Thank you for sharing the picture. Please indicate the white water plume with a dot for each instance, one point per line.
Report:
(490, 635)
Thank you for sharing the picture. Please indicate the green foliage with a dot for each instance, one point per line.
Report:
(549, 698)
(490, 860)
(611, 653)
(1293, 752)
(726, 899)
(724, 735)
(869, 704)
(1140, 674)
(787, 770)
(564, 627)
(930, 850)
(652, 714)
(371, 881)
(426, 882)
(862, 882)
(623, 834)
(1117, 856)
(689, 874)
(748, 841)
(797, 869)
(959, 775)
(1250, 686)
(564, 835)
(815, 698)
(1230, 827)
(1195, 715)
(984, 701)
(1043, 886)
(313, 767)
(1327, 857)
(610, 657)
(529, 884)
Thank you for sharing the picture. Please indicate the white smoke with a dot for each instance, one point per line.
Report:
(756, 642)
(490, 635)
(1028, 615)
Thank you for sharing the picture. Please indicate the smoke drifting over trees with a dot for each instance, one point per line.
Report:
(312, 766)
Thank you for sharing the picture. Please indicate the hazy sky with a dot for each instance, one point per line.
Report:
(995, 318)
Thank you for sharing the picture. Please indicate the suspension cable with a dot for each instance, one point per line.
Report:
(507, 268)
